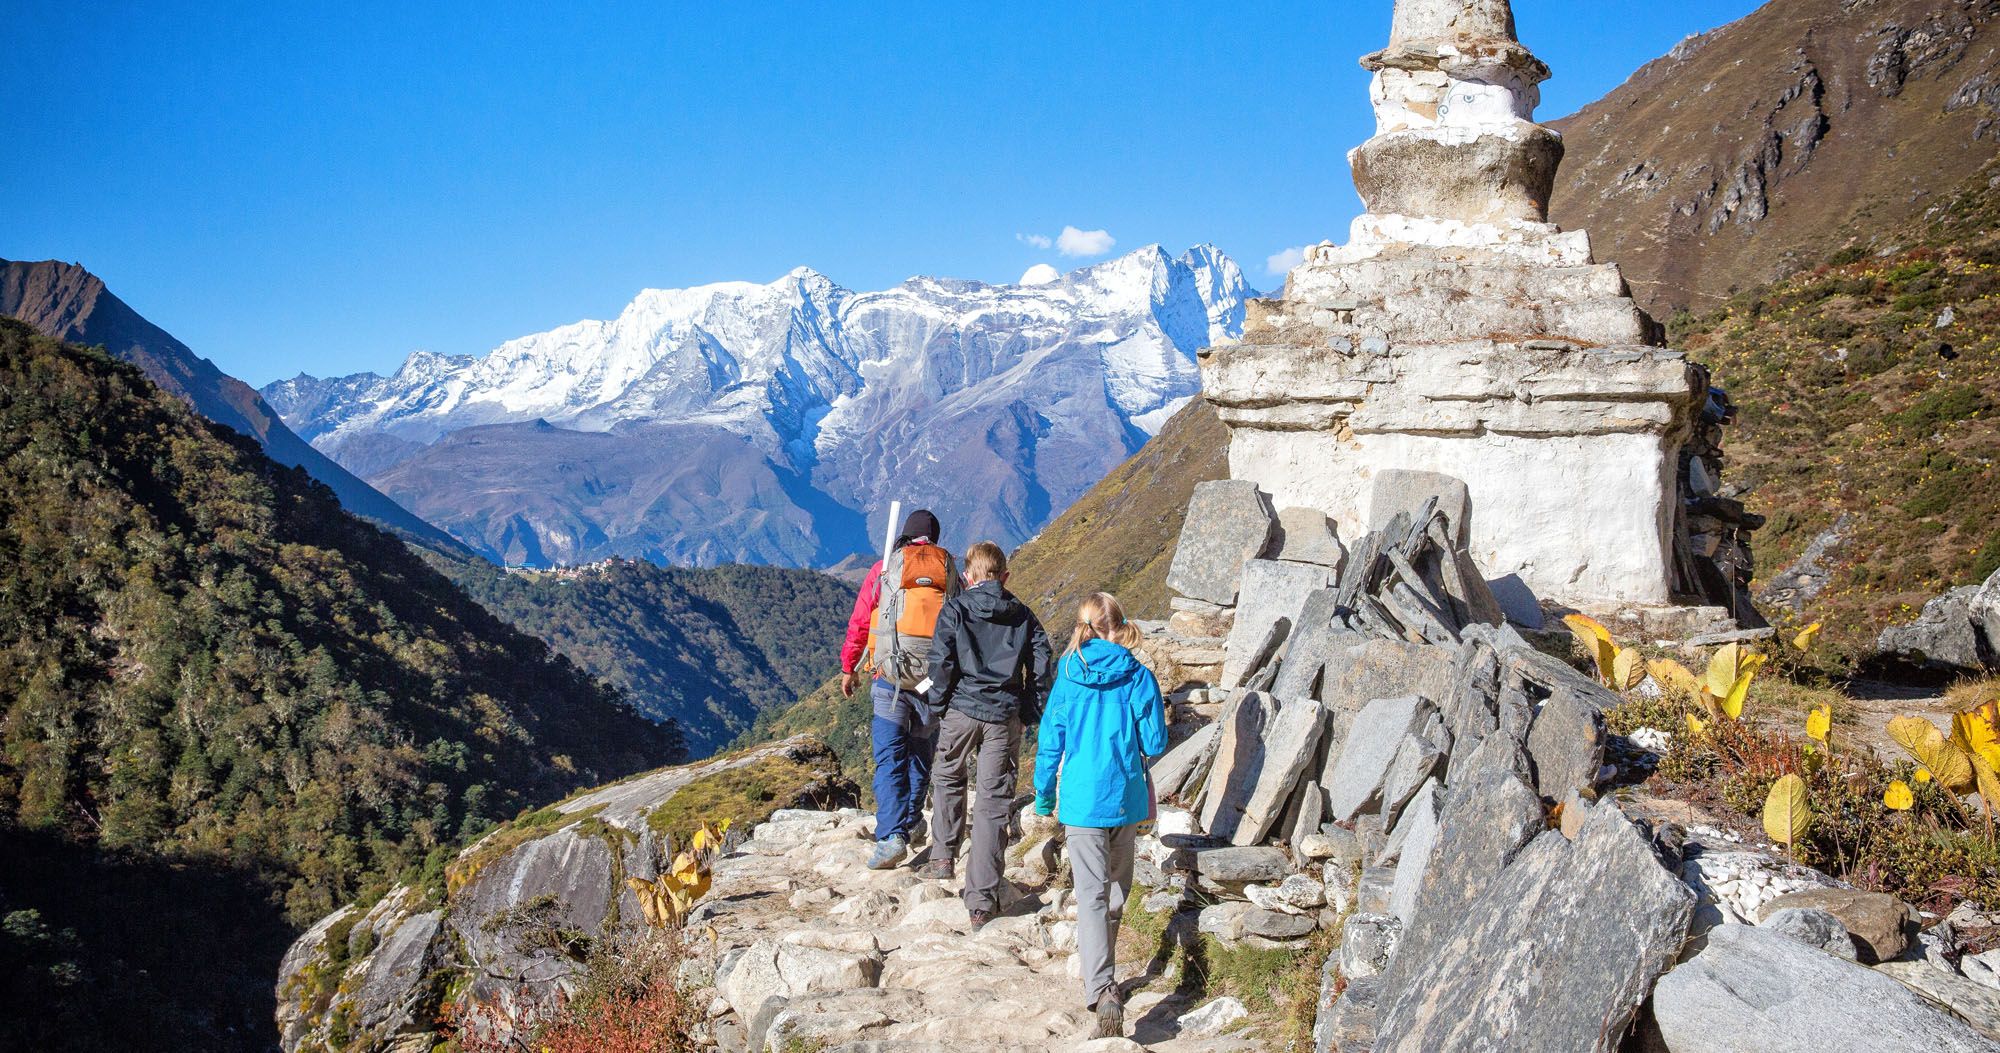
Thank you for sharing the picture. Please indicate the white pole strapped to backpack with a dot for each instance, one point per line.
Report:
(887, 640)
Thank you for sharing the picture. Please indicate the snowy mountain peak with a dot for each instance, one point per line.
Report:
(848, 395)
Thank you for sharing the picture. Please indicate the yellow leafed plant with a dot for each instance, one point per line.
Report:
(1819, 722)
(1898, 796)
(1804, 640)
(1627, 669)
(1941, 759)
(1977, 732)
(1727, 679)
(1673, 675)
(1595, 639)
(1787, 815)
(666, 900)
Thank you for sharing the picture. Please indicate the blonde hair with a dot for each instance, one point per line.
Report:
(1099, 617)
(985, 562)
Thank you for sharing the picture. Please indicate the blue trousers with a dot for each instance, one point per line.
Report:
(902, 749)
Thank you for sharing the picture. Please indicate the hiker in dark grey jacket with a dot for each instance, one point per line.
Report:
(990, 672)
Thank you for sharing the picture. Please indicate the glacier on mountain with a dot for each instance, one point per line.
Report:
(774, 422)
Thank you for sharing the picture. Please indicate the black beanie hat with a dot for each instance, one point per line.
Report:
(920, 523)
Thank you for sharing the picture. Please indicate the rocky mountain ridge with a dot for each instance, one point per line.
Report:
(768, 423)
(1764, 146)
(66, 302)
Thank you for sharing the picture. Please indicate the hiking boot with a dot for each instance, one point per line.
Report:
(980, 918)
(1110, 1015)
(888, 853)
(939, 869)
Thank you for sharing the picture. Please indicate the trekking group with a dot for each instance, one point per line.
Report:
(960, 669)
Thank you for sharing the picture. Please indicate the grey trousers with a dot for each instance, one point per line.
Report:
(1100, 861)
(971, 752)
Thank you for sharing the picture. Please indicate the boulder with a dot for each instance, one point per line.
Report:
(1557, 953)
(1943, 637)
(1814, 928)
(1234, 921)
(1239, 761)
(777, 968)
(1882, 925)
(1291, 743)
(1236, 866)
(1750, 990)
(1973, 1002)
(1212, 1018)
(1228, 522)
(1566, 744)
(1272, 593)
(1306, 535)
(1984, 610)
(1354, 776)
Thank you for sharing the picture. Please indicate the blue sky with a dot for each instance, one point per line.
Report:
(324, 189)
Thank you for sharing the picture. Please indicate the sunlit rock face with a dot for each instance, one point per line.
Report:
(1458, 331)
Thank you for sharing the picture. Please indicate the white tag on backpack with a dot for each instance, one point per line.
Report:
(923, 686)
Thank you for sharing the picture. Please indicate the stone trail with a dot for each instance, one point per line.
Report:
(812, 947)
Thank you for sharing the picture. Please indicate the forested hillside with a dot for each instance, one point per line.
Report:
(208, 668)
(709, 648)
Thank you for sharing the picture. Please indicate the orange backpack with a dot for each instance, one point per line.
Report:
(916, 581)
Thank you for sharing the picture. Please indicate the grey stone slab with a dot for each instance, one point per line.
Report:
(1235, 921)
(1354, 777)
(1414, 842)
(1557, 952)
(1814, 928)
(1566, 745)
(1290, 746)
(1173, 771)
(1345, 1022)
(1417, 760)
(1308, 810)
(1306, 535)
(1486, 819)
(1228, 522)
(1239, 761)
(1754, 991)
(1272, 593)
(1235, 865)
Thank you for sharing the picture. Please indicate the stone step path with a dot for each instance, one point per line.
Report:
(815, 951)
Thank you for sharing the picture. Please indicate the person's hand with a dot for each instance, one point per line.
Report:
(848, 682)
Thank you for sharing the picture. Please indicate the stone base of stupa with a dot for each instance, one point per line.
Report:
(1513, 363)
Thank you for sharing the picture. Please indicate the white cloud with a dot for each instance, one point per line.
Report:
(1040, 241)
(1283, 260)
(1040, 274)
(1074, 242)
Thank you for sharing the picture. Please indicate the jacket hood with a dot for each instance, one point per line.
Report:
(1099, 663)
(994, 604)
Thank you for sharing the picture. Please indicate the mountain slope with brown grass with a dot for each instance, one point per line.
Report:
(1762, 147)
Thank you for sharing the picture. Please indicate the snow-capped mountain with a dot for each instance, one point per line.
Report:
(774, 423)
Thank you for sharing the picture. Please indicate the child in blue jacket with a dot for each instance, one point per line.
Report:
(1104, 717)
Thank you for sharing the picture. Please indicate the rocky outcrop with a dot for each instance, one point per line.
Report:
(1957, 632)
(1755, 991)
(505, 926)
